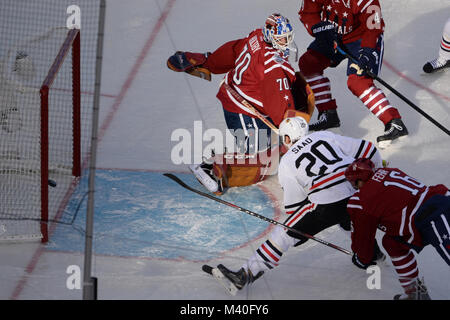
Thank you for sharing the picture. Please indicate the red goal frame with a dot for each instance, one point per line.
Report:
(71, 42)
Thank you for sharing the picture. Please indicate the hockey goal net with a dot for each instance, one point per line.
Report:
(40, 131)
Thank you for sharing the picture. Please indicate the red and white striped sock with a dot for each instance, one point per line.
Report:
(444, 49)
(406, 268)
(320, 85)
(375, 100)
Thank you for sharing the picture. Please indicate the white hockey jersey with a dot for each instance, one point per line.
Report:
(314, 168)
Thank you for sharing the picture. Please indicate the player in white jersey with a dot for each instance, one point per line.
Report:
(316, 192)
(443, 59)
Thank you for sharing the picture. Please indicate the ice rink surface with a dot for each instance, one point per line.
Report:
(151, 236)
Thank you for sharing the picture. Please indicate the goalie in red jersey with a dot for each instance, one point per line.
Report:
(411, 214)
(357, 26)
(259, 90)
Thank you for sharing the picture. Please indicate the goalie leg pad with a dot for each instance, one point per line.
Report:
(303, 96)
(238, 172)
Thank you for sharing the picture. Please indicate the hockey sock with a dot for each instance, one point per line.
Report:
(320, 85)
(372, 97)
(444, 50)
(269, 253)
(406, 268)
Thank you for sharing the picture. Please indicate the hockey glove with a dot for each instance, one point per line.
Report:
(190, 63)
(326, 36)
(369, 60)
(360, 264)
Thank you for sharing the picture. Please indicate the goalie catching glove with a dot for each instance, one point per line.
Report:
(190, 63)
(303, 98)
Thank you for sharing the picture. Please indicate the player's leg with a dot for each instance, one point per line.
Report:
(268, 255)
(405, 264)
(323, 217)
(363, 87)
(433, 222)
(443, 59)
(312, 65)
(308, 218)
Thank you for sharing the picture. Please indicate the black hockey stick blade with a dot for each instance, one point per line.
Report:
(254, 214)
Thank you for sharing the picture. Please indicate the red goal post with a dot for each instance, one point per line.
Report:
(72, 42)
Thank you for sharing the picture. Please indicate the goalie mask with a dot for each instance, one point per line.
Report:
(293, 128)
(278, 32)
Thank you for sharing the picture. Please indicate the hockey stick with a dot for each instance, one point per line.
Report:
(398, 94)
(238, 97)
(254, 214)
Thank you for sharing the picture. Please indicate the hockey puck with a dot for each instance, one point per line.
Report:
(51, 183)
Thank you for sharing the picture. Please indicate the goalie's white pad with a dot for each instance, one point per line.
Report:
(208, 182)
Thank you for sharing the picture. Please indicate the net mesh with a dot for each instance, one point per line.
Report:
(33, 33)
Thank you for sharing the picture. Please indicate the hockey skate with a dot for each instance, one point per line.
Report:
(393, 130)
(231, 281)
(415, 291)
(326, 120)
(436, 65)
(211, 179)
(240, 278)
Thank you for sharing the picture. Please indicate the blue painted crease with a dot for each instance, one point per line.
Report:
(144, 214)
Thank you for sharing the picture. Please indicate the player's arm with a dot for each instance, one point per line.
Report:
(202, 65)
(371, 21)
(223, 58)
(359, 148)
(370, 18)
(310, 14)
(324, 32)
(364, 227)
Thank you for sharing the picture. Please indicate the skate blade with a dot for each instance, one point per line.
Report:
(387, 143)
(227, 284)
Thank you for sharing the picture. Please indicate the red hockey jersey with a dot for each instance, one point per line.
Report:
(388, 201)
(257, 72)
(354, 19)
